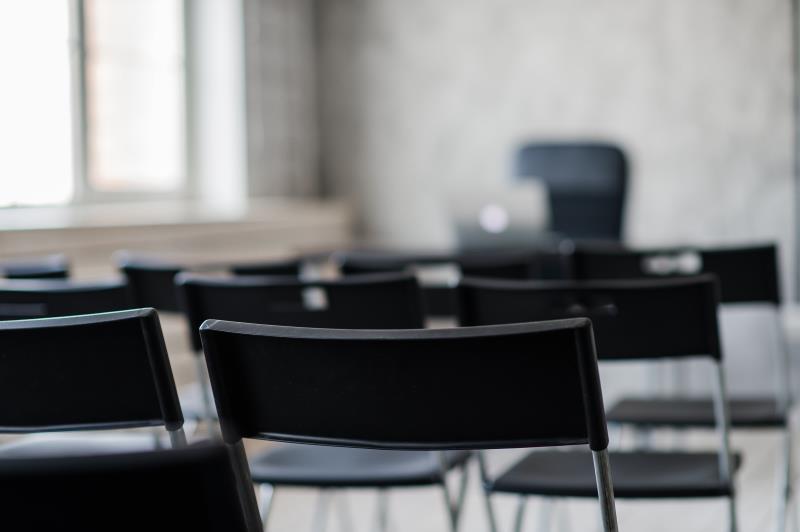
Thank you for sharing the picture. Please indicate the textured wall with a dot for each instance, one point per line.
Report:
(421, 96)
(281, 97)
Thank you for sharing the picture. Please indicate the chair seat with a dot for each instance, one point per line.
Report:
(751, 412)
(638, 474)
(44, 445)
(312, 465)
(191, 399)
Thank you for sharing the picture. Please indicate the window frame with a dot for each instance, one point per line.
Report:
(83, 192)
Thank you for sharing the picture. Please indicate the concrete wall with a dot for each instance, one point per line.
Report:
(422, 96)
(281, 97)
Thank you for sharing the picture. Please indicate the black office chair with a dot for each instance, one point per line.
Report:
(747, 275)
(46, 267)
(202, 489)
(633, 320)
(420, 390)
(77, 373)
(586, 182)
(379, 301)
(47, 298)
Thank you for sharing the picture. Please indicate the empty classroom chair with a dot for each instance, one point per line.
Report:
(152, 280)
(645, 320)
(47, 298)
(46, 267)
(748, 275)
(379, 301)
(431, 390)
(79, 373)
(202, 489)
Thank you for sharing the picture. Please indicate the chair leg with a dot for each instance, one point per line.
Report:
(487, 498)
(382, 510)
(266, 493)
(519, 516)
(733, 523)
(321, 511)
(785, 482)
(453, 507)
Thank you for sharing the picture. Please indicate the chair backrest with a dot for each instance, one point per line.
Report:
(47, 298)
(199, 488)
(746, 274)
(99, 371)
(291, 267)
(586, 184)
(525, 385)
(633, 319)
(380, 301)
(46, 267)
(152, 281)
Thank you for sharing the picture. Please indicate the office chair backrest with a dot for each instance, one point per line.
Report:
(99, 371)
(522, 385)
(586, 184)
(633, 319)
(746, 274)
(291, 267)
(47, 267)
(380, 301)
(199, 489)
(47, 298)
(152, 281)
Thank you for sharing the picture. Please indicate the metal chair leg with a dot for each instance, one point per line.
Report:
(321, 511)
(734, 525)
(453, 506)
(382, 508)
(266, 493)
(487, 498)
(785, 481)
(519, 516)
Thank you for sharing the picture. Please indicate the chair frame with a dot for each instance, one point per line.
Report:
(719, 396)
(233, 432)
(172, 417)
(765, 258)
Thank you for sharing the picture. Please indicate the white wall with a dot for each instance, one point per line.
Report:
(421, 94)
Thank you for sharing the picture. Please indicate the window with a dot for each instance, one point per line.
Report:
(36, 159)
(93, 100)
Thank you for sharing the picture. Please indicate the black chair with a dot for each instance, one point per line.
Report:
(77, 373)
(152, 280)
(379, 301)
(440, 299)
(47, 298)
(586, 182)
(420, 390)
(47, 267)
(633, 320)
(290, 267)
(202, 489)
(747, 275)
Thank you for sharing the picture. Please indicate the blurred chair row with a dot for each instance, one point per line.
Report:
(645, 319)
(379, 391)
